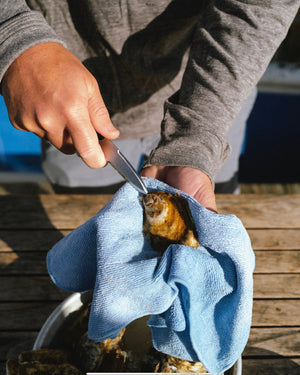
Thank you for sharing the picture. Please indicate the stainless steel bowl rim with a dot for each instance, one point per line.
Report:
(72, 303)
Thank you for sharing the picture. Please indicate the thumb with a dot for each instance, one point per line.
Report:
(100, 117)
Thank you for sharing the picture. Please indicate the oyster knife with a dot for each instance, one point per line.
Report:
(115, 157)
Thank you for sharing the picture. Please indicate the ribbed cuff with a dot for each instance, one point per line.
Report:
(20, 33)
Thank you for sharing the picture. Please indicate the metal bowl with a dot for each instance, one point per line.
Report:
(74, 302)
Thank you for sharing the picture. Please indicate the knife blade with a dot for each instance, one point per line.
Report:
(117, 160)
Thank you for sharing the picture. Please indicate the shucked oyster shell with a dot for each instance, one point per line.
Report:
(167, 220)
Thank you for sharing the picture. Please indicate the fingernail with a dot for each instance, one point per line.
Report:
(110, 127)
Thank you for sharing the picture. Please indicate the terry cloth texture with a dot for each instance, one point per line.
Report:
(200, 300)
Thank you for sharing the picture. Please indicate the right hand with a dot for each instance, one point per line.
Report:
(49, 92)
(190, 180)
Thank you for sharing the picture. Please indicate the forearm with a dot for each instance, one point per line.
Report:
(20, 29)
(232, 46)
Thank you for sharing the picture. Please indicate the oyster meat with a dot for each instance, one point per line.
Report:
(168, 220)
(175, 365)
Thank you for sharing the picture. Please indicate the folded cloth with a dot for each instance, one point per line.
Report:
(199, 300)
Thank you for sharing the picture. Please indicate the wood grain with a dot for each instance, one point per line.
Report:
(13, 343)
(48, 211)
(30, 263)
(29, 316)
(40, 287)
(35, 288)
(277, 341)
(263, 211)
(69, 211)
(278, 261)
(276, 313)
(34, 262)
(275, 239)
(44, 239)
(277, 286)
(29, 240)
(271, 366)
(266, 313)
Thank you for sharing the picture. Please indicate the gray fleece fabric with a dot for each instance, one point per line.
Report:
(189, 63)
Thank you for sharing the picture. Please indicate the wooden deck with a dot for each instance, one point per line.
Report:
(31, 225)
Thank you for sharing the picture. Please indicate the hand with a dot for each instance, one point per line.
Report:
(49, 92)
(190, 180)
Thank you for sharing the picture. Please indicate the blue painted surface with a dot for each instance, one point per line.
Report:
(19, 151)
(272, 145)
(271, 151)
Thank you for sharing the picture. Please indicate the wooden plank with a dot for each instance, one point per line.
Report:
(2, 368)
(271, 366)
(69, 211)
(30, 263)
(40, 287)
(277, 261)
(280, 261)
(43, 240)
(48, 211)
(276, 313)
(33, 262)
(29, 240)
(275, 239)
(277, 286)
(35, 288)
(263, 211)
(29, 316)
(13, 343)
(277, 341)
(270, 188)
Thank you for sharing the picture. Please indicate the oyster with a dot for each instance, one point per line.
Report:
(176, 365)
(42, 362)
(167, 220)
(95, 356)
(46, 356)
(16, 368)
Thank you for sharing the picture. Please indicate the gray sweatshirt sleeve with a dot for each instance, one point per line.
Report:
(233, 43)
(20, 29)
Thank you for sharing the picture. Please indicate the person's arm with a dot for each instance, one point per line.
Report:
(232, 46)
(47, 90)
(20, 29)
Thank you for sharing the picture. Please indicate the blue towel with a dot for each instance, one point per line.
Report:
(199, 300)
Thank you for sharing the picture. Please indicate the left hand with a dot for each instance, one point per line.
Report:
(190, 180)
